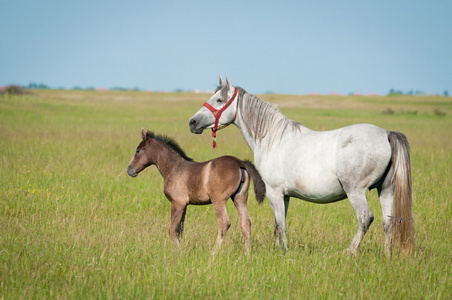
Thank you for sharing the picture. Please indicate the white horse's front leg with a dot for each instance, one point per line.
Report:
(278, 204)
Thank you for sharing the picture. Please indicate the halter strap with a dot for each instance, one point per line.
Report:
(217, 114)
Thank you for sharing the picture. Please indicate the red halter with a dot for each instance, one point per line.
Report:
(217, 114)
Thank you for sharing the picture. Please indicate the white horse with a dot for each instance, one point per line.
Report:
(319, 166)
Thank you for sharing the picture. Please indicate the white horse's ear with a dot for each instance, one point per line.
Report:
(227, 82)
(220, 81)
(143, 134)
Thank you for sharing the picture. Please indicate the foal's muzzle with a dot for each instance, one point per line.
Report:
(131, 171)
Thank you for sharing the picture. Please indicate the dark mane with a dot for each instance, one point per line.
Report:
(170, 142)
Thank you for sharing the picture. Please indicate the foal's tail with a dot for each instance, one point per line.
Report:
(403, 224)
(259, 185)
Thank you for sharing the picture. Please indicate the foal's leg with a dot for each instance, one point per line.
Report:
(223, 222)
(240, 202)
(180, 229)
(359, 203)
(386, 194)
(177, 216)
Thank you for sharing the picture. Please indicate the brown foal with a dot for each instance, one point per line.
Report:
(189, 182)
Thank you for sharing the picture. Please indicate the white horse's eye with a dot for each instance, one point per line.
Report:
(219, 100)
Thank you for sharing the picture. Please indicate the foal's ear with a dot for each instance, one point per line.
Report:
(143, 134)
(228, 84)
(220, 81)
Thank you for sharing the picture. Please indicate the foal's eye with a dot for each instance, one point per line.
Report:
(138, 152)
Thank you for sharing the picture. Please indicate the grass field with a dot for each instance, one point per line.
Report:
(73, 224)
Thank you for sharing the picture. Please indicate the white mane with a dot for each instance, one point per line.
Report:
(263, 119)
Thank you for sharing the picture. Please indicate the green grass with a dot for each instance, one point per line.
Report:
(74, 225)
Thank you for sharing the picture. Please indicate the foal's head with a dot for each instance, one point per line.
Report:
(146, 152)
(142, 158)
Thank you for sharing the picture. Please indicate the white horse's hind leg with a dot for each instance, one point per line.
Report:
(359, 203)
(279, 209)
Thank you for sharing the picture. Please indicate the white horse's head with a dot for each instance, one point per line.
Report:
(218, 111)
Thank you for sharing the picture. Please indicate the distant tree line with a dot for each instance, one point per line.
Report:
(13, 90)
(394, 92)
(41, 86)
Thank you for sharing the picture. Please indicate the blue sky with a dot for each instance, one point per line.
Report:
(291, 47)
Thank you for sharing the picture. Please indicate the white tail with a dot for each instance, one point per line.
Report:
(403, 223)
